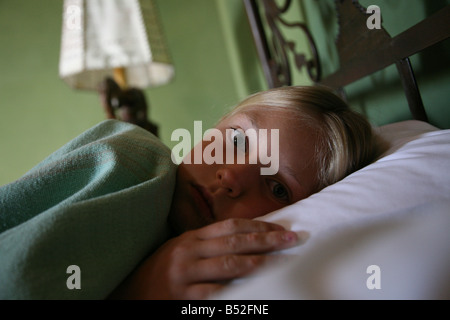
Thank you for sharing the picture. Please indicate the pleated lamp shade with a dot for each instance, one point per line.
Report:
(122, 39)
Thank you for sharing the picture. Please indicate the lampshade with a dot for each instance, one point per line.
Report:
(122, 39)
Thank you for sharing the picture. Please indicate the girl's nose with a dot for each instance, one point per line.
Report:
(236, 179)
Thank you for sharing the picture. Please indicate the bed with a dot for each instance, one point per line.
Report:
(382, 232)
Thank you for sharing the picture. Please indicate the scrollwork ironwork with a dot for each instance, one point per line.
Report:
(280, 48)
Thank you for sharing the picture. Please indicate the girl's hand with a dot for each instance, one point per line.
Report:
(195, 264)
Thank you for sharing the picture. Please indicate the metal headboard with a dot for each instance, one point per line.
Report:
(361, 51)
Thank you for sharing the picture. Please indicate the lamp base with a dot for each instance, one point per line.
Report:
(128, 105)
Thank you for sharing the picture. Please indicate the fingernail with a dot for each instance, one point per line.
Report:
(289, 236)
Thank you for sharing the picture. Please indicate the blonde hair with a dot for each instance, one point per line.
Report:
(345, 139)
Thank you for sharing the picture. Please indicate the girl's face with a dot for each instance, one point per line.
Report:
(206, 193)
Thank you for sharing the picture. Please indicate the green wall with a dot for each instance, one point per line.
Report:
(39, 112)
(210, 45)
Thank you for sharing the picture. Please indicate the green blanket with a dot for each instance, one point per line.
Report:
(99, 203)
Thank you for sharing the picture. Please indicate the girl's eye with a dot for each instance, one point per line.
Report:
(238, 138)
(279, 191)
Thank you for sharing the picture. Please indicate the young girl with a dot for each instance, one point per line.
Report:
(107, 200)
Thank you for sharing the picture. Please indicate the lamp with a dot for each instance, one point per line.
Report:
(117, 48)
(122, 39)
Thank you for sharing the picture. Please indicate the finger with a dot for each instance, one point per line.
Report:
(202, 290)
(247, 243)
(226, 267)
(233, 226)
